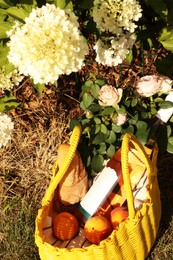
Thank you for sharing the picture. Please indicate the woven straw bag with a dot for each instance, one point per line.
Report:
(134, 237)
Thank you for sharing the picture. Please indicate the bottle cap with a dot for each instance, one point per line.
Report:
(165, 114)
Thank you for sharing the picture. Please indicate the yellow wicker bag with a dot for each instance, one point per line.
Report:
(134, 237)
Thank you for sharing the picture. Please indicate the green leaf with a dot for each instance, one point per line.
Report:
(87, 100)
(73, 123)
(8, 67)
(170, 145)
(4, 27)
(100, 138)
(82, 106)
(18, 13)
(103, 129)
(102, 148)
(94, 107)
(39, 87)
(142, 132)
(97, 120)
(100, 82)
(88, 83)
(3, 14)
(166, 38)
(97, 163)
(112, 138)
(166, 104)
(116, 128)
(129, 129)
(63, 4)
(169, 130)
(107, 111)
(122, 110)
(111, 150)
(134, 102)
(134, 119)
(7, 103)
(95, 90)
(97, 129)
(3, 55)
(5, 4)
(129, 57)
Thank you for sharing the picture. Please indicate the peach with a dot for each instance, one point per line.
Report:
(118, 215)
(96, 229)
(65, 226)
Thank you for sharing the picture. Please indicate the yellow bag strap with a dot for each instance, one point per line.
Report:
(127, 140)
(59, 173)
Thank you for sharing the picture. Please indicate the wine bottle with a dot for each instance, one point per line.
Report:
(158, 122)
(99, 191)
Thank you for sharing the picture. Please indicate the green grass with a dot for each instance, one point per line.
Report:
(17, 231)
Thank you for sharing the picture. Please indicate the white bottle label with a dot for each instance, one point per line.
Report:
(98, 192)
(165, 114)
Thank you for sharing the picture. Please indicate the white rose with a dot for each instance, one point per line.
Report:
(109, 96)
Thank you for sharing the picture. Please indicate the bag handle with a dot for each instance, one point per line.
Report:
(58, 173)
(127, 140)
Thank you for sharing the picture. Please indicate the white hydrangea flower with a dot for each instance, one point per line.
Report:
(111, 51)
(6, 127)
(47, 45)
(116, 15)
(8, 81)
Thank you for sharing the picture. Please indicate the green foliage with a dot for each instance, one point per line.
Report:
(101, 131)
(166, 38)
(63, 4)
(39, 87)
(8, 103)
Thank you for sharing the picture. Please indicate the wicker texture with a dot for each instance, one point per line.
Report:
(134, 237)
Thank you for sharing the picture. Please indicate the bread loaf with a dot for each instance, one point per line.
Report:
(74, 184)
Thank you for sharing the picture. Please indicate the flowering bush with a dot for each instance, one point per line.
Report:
(110, 112)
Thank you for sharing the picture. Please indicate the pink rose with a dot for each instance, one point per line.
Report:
(165, 84)
(109, 96)
(121, 119)
(148, 85)
(151, 84)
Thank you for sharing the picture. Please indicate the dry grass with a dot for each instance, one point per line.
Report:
(25, 172)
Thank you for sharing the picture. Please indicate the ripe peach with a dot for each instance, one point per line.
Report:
(65, 226)
(97, 228)
(118, 215)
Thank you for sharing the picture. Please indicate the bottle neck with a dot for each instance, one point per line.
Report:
(155, 131)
